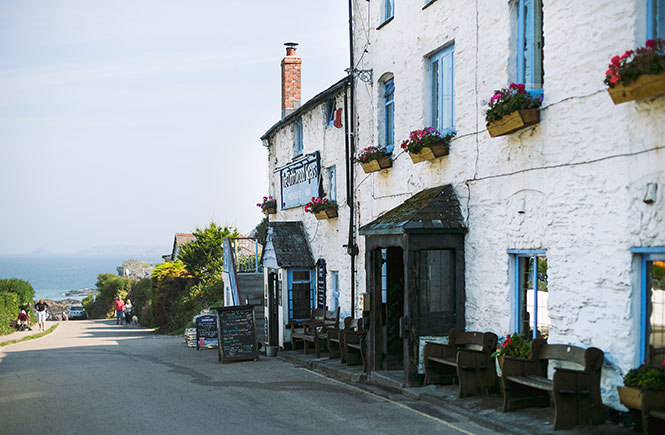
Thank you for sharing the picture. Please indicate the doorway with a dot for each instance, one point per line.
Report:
(390, 292)
(272, 325)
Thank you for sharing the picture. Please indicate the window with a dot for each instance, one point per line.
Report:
(332, 184)
(652, 305)
(441, 65)
(530, 293)
(437, 281)
(330, 113)
(530, 45)
(655, 19)
(388, 10)
(389, 114)
(334, 278)
(301, 293)
(297, 139)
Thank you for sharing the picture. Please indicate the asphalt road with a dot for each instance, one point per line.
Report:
(94, 377)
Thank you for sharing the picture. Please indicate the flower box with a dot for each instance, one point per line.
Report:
(270, 210)
(630, 397)
(512, 122)
(376, 165)
(646, 85)
(430, 152)
(328, 213)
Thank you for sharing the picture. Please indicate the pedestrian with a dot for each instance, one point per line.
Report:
(41, 307)
(119, 310)
(128, 311)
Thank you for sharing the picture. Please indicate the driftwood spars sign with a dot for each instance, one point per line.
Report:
(321, 283)
(237, 334)
(300, 181)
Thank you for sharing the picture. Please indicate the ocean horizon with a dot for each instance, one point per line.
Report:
(53, 275)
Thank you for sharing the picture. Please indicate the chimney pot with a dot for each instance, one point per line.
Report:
(291, 48)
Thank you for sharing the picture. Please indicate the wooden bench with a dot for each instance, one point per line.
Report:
(355, 347)
(336, 347)
(314, 330)
(576, 393)
(467, 358)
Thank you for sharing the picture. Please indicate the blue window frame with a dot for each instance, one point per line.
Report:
(530, 292)
(330, 113)
(655, 19)
(297, 139)
(530, 45)
(334, 278)
(652, 305)
(442, 90)
(389, 114)
(388, 9)
(332, 182)
(301, 296)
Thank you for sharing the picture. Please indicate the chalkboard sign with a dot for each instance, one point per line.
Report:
(321, 284)
(206, 330)
(237, 334)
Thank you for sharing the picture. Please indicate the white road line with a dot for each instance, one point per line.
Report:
(438, 420)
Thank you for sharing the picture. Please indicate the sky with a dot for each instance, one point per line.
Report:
(123, 122)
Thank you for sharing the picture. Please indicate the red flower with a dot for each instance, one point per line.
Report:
(615, 78)
(650, 43)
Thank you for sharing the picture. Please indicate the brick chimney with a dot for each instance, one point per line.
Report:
(291, 70)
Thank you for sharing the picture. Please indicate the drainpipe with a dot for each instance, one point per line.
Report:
(351, 247)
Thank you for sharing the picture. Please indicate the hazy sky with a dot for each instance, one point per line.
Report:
(123, 122)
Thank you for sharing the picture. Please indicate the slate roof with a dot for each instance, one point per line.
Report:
(291, 246)
(437, 209)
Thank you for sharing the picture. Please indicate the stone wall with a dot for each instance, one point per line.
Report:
(581, 172)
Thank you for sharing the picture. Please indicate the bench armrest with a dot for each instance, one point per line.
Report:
(516, 366)
(353, 337)
(439, 350)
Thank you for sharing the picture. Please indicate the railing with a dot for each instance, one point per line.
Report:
(241, 255)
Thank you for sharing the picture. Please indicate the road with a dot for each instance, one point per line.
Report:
(95, 377)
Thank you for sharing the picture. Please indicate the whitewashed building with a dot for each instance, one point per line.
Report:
(305, 261)
(580, 194)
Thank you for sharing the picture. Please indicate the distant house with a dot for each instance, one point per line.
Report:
(178, 241)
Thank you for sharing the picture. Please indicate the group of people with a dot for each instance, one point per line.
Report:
(123, 310)
(23, 321)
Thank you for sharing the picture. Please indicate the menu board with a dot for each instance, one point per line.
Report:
(321, 284)
(206, 330)
(237, 334)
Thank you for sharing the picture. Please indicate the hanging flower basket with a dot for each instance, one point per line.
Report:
(328, 213)
(270, 210)
(511, 109)
(637, 74)
(373, 159)
(427, 144)
(512, 122)
(268, 206)
(321, 208)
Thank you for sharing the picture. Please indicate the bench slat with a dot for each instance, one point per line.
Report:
(449, 361)
(532, 381)
(657, 414)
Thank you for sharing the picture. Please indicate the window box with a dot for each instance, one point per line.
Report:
(270, 210)
(431, 152)
(646, 85)
(378, 164)
(328, 213)
(512, 122)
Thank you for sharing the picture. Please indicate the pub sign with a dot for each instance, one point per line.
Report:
(300, 181)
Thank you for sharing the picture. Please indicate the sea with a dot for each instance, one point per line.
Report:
(54, 275)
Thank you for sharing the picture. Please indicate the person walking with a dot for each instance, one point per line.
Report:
(119, 310)
(41, 307)
(128, 311)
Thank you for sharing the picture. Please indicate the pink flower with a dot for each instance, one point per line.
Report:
(614, 78)
(615, 60)
(495, 97)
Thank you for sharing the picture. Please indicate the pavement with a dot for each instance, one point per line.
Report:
(21, 334)
(485, 410)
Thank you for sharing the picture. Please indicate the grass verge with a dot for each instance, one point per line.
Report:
(30, 337)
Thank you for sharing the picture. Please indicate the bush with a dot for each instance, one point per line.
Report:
(9, 308)
(169, 283)
(109, 287)
(21, 288)
(646, 377)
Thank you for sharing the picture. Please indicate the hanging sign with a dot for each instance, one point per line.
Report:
(321, 284)
(300, 181)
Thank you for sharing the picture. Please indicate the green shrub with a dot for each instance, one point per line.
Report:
(9, 308)
(21, 288)
(170, 282)
(645, 376)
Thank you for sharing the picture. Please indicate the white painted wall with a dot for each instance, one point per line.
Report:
(582, 172)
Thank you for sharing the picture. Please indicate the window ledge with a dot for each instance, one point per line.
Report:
(386, 22)
(428, 4)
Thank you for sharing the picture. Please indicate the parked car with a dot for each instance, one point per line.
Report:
(77, 312)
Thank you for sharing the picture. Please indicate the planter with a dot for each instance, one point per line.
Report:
(512, 122)
(376, 165)
(430, 152)
(272, 210)
(646, 85)
(328, 213)
(271, 351)
(630, 397)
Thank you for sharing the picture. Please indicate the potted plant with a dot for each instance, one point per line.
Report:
(512, 109)
(427, 144)
(322, 208)
(269, 205)
(513, 345)
(637, 73)
(644, 392)
(374, 159)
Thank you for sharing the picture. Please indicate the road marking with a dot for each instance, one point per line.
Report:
(438, 420)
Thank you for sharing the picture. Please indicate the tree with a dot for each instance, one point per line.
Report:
(261, 230)
(203, 257)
